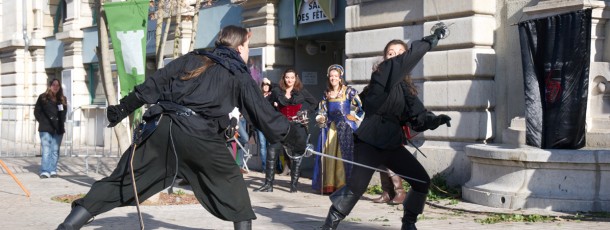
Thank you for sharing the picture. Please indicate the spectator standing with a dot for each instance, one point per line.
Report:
(50, 112)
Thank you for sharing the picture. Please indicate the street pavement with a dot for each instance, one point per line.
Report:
(277, 210)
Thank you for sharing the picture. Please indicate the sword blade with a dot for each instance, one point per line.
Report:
(415, 146)
(310, 150)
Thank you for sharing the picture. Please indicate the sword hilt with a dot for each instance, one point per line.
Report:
(308, 150)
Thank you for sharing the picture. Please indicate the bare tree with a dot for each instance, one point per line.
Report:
(102, 51)
(178, 30)
(196, 22)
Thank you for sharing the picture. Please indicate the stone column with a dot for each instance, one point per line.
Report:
(261, 17)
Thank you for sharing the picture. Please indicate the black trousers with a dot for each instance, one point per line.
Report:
(204, 162)
(399, 160)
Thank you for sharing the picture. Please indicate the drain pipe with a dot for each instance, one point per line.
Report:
(26, 41)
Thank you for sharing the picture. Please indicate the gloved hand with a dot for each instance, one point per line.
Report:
(439, 33)
(116, 113)
(295, 140)
(438, 121)
(232, 128)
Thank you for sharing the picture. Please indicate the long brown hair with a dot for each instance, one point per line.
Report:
(59, 96)
(229, 36)
(297, 81)
(407, 79)
(339, 70)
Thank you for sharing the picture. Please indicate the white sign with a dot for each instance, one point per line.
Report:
(309, 78)
(311, 11)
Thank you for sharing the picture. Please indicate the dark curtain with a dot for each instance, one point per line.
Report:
(555, 53)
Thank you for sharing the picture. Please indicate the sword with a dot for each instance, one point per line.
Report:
(309, 151)
(415, 146)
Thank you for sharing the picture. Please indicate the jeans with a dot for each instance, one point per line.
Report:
(243, 140)
(262, 142)
(50, 152)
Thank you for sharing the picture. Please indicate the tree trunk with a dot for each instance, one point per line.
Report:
(168, 23)
(102, 51)
(195, 24)
(178, 31)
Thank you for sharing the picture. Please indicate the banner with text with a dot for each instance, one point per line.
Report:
(307, 11)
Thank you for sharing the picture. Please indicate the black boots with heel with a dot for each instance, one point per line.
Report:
(77, 218)
(272, 153)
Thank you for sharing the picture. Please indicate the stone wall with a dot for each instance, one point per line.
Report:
(456, 78)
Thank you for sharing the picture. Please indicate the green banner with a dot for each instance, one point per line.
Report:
(127, 27)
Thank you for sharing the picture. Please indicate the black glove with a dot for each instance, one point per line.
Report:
(295, 140)
(439, 33)
(116, 113)
(437, 121)
(430, 121)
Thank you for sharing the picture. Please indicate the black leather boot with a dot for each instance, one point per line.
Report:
(294, 174)
(332, 219)
(243, 225)
(343, 201)
(413, 206)
(269, 171)
(77, 218)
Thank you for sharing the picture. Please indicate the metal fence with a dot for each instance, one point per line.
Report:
(86, 133)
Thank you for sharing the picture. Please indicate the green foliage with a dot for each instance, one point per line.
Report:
(67, 198)
(589, 216)
(497, 218)
(440, 190)
(379, 219)
(353, 219)
(180, 192)
(374, 190)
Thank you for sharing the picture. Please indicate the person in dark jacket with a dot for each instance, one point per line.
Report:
(390, 102)
(263, 144)
(289, 98)
(193, 96)
(50, 112)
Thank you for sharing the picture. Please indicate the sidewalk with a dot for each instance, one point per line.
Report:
(277, 210)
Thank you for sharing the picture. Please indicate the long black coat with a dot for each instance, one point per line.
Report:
(213, 95)
(192, 147)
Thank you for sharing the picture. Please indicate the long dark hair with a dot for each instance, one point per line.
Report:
(297, 81)
(59, 96)
(407, 79)
(266, 84)
(229, 36)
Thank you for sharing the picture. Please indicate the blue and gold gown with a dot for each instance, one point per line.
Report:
(336, 139)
